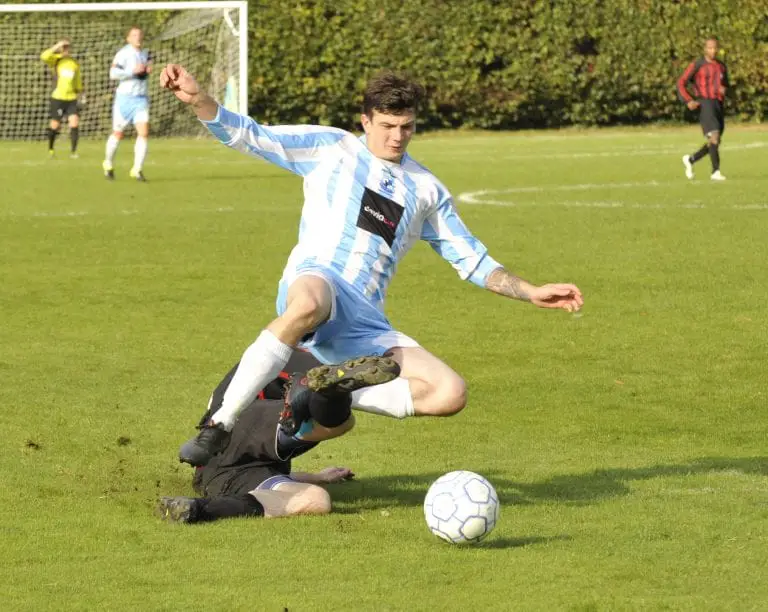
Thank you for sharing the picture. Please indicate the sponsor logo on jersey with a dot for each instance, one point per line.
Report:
(379, 215)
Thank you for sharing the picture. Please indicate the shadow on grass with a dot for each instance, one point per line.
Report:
(521, 542)
(574, 489)
(597, 485)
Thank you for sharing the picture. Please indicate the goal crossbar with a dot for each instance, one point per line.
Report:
(122, 6)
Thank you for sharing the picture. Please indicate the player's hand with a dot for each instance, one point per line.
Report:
(180, 82)
(693, 105)
(140, 69)
(335, 474)
(558, 295)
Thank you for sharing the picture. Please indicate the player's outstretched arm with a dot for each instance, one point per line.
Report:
(184, 86)
(452, 240)
(554, 295)
(298, 148)
(326, 476)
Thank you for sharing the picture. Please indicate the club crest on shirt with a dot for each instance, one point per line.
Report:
(387, 185)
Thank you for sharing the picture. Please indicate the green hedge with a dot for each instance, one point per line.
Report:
(498, 63)
(502, 64)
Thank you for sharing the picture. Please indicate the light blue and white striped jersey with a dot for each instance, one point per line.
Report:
(122, 69)
(361, 214)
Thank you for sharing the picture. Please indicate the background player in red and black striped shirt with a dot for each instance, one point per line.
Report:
(709, 77)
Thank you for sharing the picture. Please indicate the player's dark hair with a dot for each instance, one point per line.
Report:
(391, 93)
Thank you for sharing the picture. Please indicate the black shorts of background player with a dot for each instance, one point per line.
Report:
(709, 77)
(252, 476)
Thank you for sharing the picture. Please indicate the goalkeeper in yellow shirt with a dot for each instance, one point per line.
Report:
(69, 86)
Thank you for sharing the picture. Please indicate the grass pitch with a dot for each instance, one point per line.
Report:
(627, 443)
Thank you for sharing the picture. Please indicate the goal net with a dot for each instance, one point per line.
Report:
(208, 38)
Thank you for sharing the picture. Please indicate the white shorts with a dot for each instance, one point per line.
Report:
(129, 110)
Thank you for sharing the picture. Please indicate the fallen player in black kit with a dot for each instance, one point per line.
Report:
(252, 476)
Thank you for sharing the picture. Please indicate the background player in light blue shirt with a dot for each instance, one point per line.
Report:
(366, 202)
(131, 67)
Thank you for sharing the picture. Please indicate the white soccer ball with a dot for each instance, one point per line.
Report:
(461, 507)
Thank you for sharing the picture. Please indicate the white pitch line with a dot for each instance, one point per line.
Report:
(478, 197)
(56, 164)
(215, 160)
(750, 206)
(632, 153)
(122, 213)
(629, 205)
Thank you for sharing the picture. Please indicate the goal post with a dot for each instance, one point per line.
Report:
(209, 38)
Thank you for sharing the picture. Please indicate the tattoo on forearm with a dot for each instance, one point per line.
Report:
(502, 282)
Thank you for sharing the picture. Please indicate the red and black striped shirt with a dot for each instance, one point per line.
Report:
(709, 79)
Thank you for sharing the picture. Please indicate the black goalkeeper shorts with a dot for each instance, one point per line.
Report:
(59, 109)
(712, 117)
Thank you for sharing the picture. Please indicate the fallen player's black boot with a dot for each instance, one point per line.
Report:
(211, 440)
(203, 509)
(179, 509)
(352, 375)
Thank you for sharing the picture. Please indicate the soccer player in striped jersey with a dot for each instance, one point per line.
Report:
(366, 202)
(131, 67)
(710, 81)
(64, 99)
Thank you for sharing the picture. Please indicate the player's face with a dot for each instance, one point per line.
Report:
(135, 38)
(387, 136)
(710, 49)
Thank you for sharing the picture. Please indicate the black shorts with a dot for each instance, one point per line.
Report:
(239, 481)
(60, 109)
(711, 116)
(251, 456)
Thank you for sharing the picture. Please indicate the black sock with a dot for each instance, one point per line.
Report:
(714, 154)
(330, 410)
(699, 154)
(228, 506)
(52, 138)
(74, 134)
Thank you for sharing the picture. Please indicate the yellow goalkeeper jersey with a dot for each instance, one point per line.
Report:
(69, 82)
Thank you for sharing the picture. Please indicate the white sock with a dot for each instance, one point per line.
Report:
(139, 153)
(392, 399)
(261, 363)
(112, 144)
